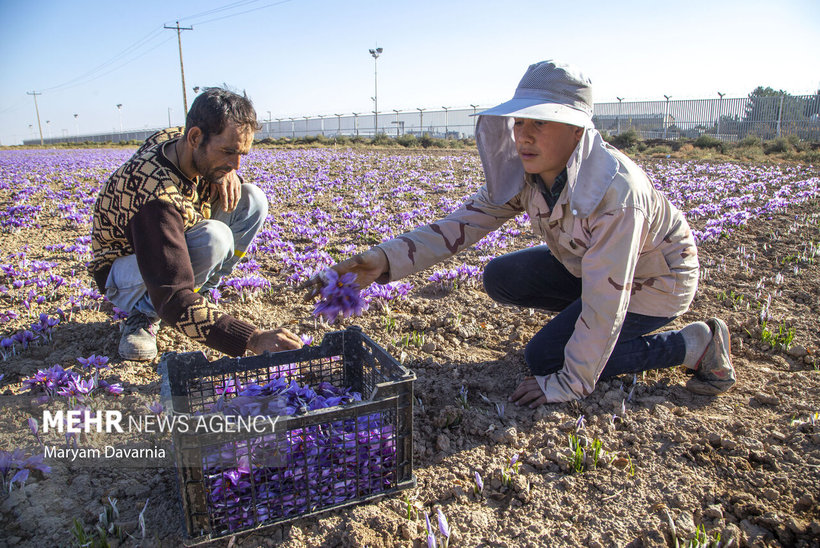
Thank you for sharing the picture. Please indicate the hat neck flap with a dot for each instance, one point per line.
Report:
(503, 170)
(590, 171)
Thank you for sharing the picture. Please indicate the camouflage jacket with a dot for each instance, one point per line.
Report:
(634, 252)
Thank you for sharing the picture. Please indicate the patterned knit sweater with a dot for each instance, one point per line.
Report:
(145, 208)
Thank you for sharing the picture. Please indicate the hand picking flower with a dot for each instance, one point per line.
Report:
(339, 296)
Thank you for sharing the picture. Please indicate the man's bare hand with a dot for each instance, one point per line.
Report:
(274, 340)
(368, 266)
(229, 189)
(529, 393)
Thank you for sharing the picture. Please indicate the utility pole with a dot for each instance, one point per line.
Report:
(39, 126)
(181, 66)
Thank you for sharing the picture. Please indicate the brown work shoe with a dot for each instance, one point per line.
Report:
(138, 341)
(714, 373)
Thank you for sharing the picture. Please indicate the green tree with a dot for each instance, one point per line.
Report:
(766, 106)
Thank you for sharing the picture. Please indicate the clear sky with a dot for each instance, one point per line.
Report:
(310, 57)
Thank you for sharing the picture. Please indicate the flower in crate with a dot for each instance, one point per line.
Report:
(339, 297)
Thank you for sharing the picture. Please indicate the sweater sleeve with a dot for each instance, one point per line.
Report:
(157, 234)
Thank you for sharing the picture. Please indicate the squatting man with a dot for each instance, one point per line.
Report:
(172, 221)
(620, 260)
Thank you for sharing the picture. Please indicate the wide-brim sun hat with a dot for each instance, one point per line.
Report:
(554, 92)
(550, 91)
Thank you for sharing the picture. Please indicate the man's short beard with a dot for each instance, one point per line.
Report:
(207, 176)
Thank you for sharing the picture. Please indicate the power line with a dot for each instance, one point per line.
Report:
(97, 72)
(13, 107)
(193, 18)
(133, 47)
(272, 4)
(113, 69)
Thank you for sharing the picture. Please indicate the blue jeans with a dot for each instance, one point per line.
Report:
(534, 278)
(214, 246)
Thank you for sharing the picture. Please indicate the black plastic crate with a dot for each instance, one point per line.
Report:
(297, 465)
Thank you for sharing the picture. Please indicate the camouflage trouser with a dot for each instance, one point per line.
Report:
(534, 278)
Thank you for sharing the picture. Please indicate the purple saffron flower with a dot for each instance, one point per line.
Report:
(215, 295)
(35, 462)
(444, 527)
(35, 429)
(7, 347)
(7, 316)
(479, 483)
(113, 389)
(100, 362)
(307, 340)
(118, 314)
(514, 464)
(431, 537)
(156, 408)
(78, 388)
(20, 477)
(340, 296)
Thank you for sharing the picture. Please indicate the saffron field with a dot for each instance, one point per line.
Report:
(640, 462)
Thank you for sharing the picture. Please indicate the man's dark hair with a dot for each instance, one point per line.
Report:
(215, 107)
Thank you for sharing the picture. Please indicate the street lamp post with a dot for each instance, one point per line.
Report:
(666, 116)
(322, 123)
(307, 118)
(196, 89)
(720, 111)
(279, 127)
(421, 120)
(375, 53)
(77, 124)
(356, 123)
(620, 99)
(375, 113)
(339, 129)
(475, 118)
(48, 129)
(446, 125)
(397, 121)
(119, 108)
(169, 116)
(292, 128)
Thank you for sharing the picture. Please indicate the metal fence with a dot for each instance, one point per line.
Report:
(449, 123)
(723, 118)
(727, 119)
